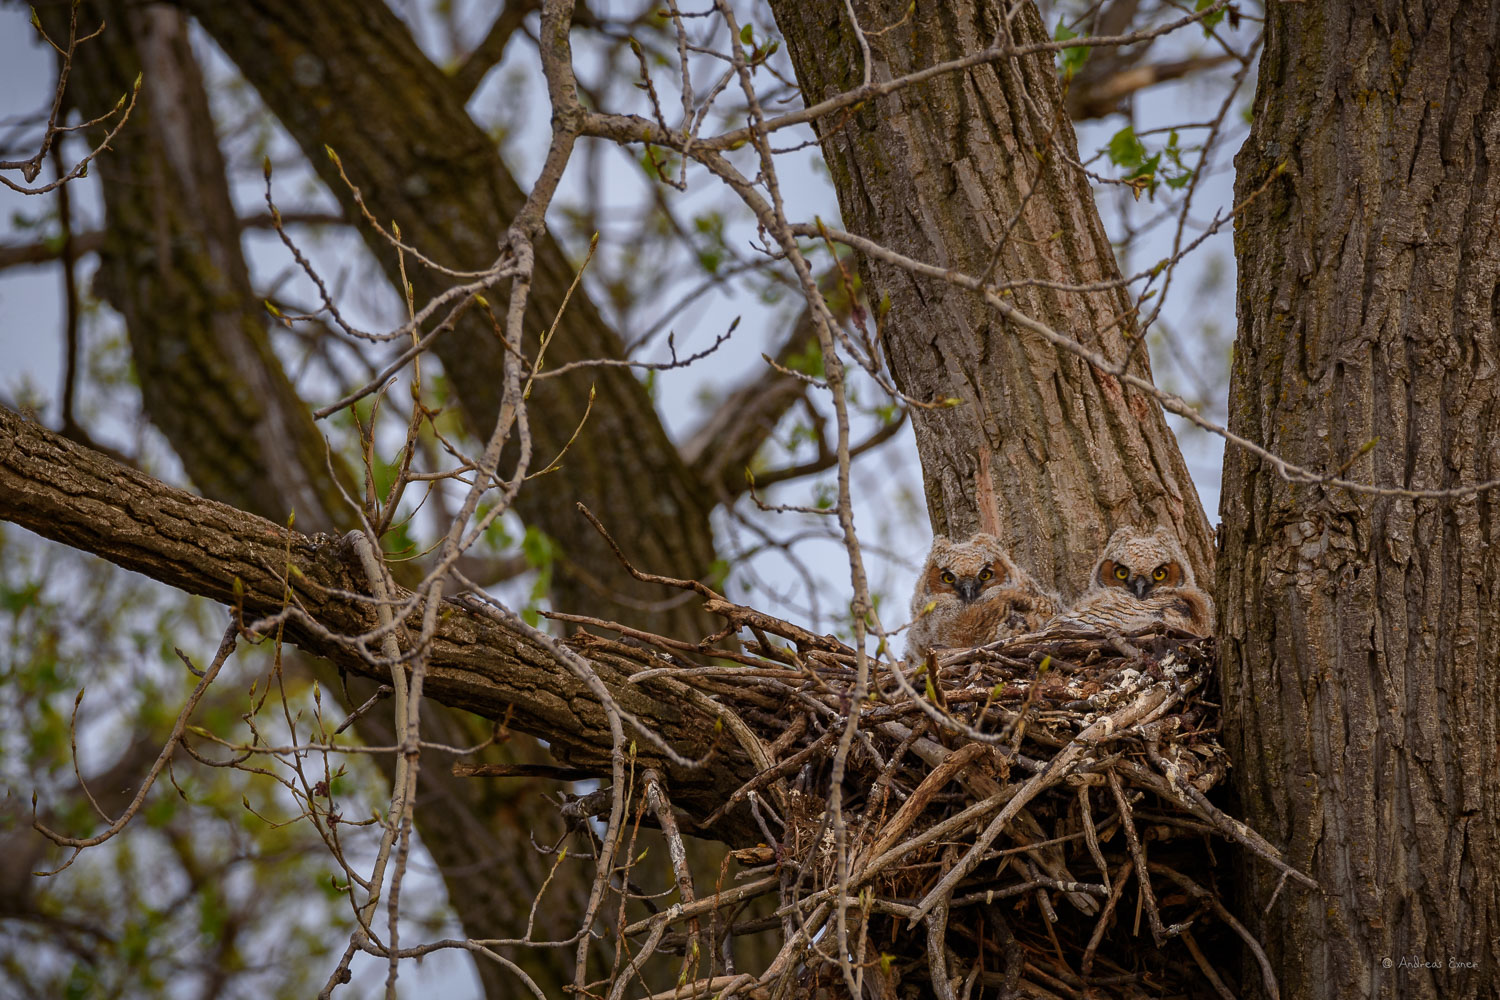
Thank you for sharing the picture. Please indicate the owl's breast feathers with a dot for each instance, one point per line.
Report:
(1113, 609)
(1004, 612)
(1191, 610)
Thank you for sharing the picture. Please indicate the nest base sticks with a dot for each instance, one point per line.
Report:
(1026, 819)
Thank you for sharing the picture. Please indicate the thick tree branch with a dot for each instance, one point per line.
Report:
(48, 250)
(209, 377)
(1112, 74)
(1096, 95)
(828, 461)
(69, 494)
(729, 438)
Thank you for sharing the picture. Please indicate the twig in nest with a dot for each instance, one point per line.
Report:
(1121, 878)
(1232, 828)
(1143, 884)
(656, 798)
(937, 959)
(1198, 892)
(1054, 772)
(1205, 967)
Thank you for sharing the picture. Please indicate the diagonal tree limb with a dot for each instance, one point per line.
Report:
(728, 439)
(76, 496)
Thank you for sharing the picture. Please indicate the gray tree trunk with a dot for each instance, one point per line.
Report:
(937, 172)
(1360, 635)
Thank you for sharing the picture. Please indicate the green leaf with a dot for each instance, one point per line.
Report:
(1212, 20)
(710, 260)
(1148, 167)
(538, 548)
(495, 535)
(1072, 58)
(1125, 150)
(808, 361)
(747, 34)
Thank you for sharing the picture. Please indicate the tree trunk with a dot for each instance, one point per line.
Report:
(347, 75)
(1360, 634)
(937, 172)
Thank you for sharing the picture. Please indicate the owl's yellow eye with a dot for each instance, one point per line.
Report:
(948, 577)
(1160, 574)
(1121, 573)
(986, 573)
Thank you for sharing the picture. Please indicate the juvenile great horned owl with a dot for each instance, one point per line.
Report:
(1140, 579)
(977, 595)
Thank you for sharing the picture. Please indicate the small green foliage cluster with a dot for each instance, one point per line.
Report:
(1143, 169)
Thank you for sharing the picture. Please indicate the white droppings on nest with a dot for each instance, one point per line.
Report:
(1125, 684)
(828, 843)
(1173, 665)
(1174, 771)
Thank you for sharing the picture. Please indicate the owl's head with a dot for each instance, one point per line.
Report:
(968, 569)
(1143, 562)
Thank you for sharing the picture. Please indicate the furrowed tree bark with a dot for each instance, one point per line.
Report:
(1360, 635)
(937, 172)
(347, 75)
(173, 266)
(79, 497)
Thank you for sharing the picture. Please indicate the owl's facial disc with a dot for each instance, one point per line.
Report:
(969, 588)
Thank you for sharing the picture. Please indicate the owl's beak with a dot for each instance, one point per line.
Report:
(1139, 585)
(968, 588)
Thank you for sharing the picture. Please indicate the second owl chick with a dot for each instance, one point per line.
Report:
(977, 594)
(1141, 579)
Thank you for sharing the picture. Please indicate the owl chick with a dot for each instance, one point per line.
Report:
(977, 595)
(1141, 579)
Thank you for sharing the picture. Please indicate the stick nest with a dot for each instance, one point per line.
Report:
(1026, 819)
